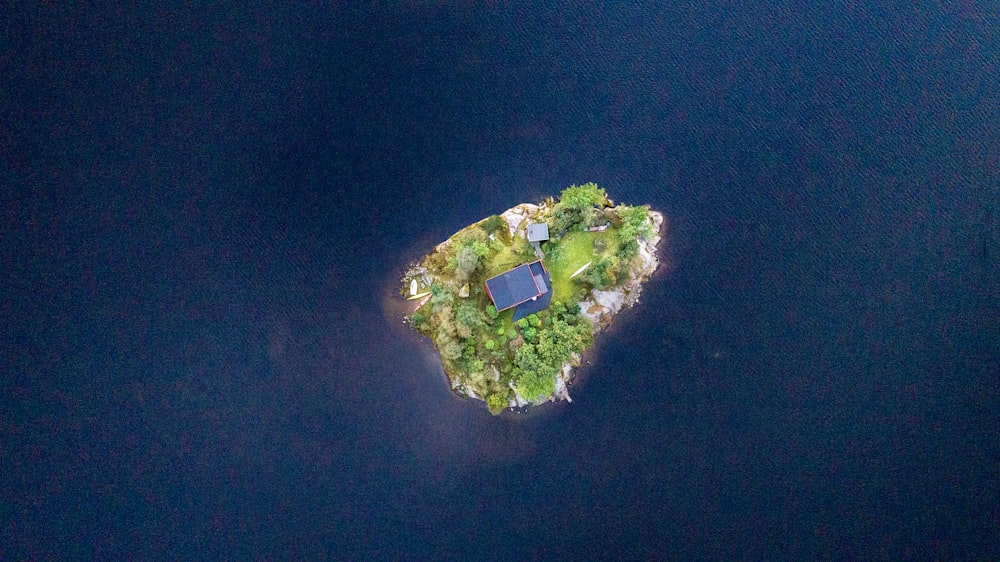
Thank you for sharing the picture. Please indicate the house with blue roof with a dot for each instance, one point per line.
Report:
(527, 287)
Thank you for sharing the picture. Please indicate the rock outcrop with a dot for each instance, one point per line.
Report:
(517, 218)
(602, 306)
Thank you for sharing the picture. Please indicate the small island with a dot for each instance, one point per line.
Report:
(512, 301)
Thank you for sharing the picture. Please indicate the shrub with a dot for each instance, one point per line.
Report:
(529, 333)
(576, 205)
(452, 350)
(446, 330)
(437, 261)
(469, 315)
(554, 252)
(493, 223)
(441, 296)
(496, 402)
(628, 250)
(481, 249)
(603, 274)
(466, 262)
(418, 320)
(536, 384)
(515, 343)
(635, 223)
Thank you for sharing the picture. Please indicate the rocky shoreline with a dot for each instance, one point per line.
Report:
(602, 306)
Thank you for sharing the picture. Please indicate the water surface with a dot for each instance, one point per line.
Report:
(206, 212)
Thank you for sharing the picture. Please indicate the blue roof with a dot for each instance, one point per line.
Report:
(536, 270)
(542, 302)
(513, 287)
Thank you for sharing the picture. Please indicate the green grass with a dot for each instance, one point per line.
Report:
(506, 320)
(512, 255)
(575, 249)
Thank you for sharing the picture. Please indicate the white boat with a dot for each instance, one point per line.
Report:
(581, 270)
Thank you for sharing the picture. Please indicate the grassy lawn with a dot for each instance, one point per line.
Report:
(575, 249)
(507, 321)
(513, 255)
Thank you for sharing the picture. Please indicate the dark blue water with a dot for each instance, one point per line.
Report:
(206, 213)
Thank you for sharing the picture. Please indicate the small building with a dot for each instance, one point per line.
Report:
(538, 232)
(527, 286)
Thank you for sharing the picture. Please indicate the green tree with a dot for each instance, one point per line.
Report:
(491, 314)
(603, 274)
(548, 348)
(452, 350)
(582, 196)
(533, 385)
(529, 333)
(469, 319)
(492, 224)
(496, 402)
(481, 249)
(418, 320)
(628, 250)
(441, 296)
(526, 358)
(635, 223)
(576, 205)
(466, 262)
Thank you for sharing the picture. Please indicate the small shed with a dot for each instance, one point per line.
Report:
(538, 232)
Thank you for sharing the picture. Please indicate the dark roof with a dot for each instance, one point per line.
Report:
(542, 302)
(538, 232)
(537, 270)
(513, 287)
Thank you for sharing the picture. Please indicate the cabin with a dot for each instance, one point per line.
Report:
(538, 232)
(527, 286)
